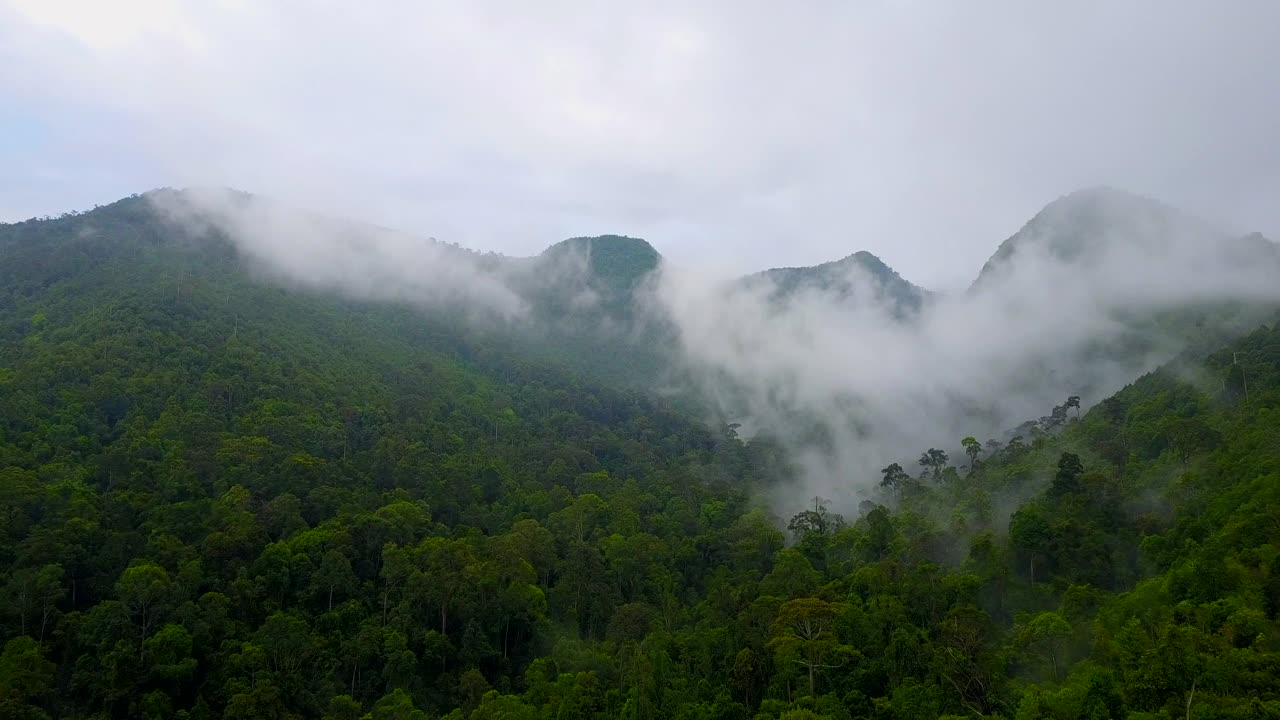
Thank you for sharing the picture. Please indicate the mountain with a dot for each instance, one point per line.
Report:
(858, 277)
(230, 489)
(1161, 280)
(1078, 228)
(615, 262)
(588, 286)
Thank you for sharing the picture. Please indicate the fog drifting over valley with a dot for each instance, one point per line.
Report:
(1038, 328)
(714, 360)
(733, 136)
(1066, 307)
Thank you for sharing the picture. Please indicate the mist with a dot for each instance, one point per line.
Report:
(835, 371)
(303, 249)
(1071, 309)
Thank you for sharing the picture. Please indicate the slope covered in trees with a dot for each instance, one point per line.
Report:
(191, 457)
(223, 499)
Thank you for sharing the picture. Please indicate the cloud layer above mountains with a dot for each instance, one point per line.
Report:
(731, 134)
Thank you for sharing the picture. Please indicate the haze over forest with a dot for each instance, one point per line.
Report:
(494, 362)
(847, 363)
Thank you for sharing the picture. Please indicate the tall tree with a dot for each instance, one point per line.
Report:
(1073, 402)
(819, 520)
(1067, 480)
(972, 448)
(893, 478)
(804, 634)
(935, 460)
(145, 590)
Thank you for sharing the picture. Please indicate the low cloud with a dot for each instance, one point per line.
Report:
(304, 249)
(529, 298)
(1077, 303)
(1073, 309)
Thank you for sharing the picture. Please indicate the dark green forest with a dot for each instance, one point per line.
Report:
(224, 499)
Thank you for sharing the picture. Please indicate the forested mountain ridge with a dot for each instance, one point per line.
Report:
(1152, 280)
(1081, 227)
(223, 498)
(155, 397)
(617, 261)
(848, 278)
(597, 322)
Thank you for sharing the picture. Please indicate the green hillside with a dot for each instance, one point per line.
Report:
(596, 324)
(619, 263)
(226, 499)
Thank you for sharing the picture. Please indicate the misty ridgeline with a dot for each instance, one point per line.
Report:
(847, 364)
(262, 463)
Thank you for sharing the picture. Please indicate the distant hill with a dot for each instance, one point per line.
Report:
(847, 279)
(1163, 281)
(614, 260)
(571, 305)
(587, 279)
(1081, 226)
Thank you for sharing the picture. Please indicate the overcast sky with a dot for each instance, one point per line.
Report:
(728, 134)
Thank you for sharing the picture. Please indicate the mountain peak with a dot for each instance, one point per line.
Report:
(861, 258)
(870, 261)
(835, 276)
(613, 259)
(1081, 223)
(1094, 193)
(1107, 202)
(604, 243)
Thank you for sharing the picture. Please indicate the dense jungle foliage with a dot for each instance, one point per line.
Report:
(221, 499)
